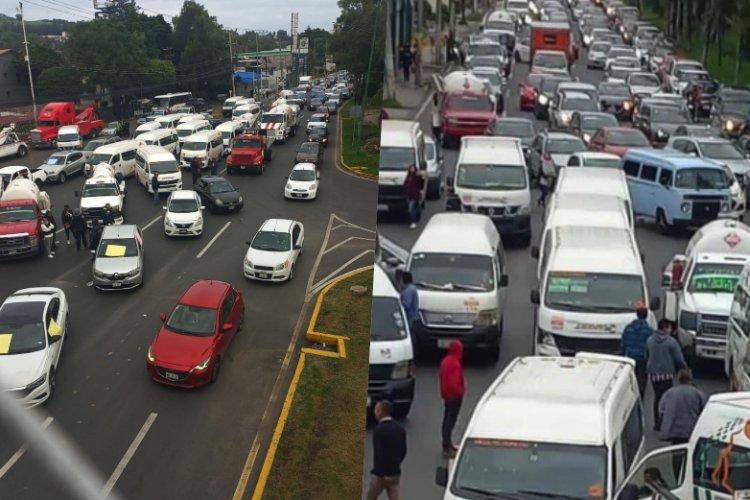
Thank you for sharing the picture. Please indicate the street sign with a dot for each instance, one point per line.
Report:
(355, 112)
(304, 44)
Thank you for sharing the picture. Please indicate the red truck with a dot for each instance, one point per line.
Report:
(467, 108)
(20, 219)
(58, 114)
(552, 36)
(249, 152)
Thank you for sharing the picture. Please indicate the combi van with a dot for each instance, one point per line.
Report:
(189, 128)
(170, 121)
(228, 131)
(229, 104)
(119, 155)
(593, 180)
(391, 351)
(591, 281)
(150, 160)
(206, 145)
(676, 190)
(167, 138)
(252, 108)
(459, 268)
(147, 127)
(511, 445)
(737, 354)
(401, 145)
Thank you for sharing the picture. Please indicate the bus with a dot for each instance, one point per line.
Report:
(170, 101)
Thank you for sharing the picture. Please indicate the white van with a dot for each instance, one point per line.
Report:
(572, 209)
(147, 127)
(190, 118)
(391, 351)
(228, 131)
(164, 137)
(492, 179)
(120, 155)
(563, 427)
(594, 180)
(592, 279)
(737, 354)
(459, 268)
(170, 121)
(252, 108)
(150, 160)
(401, 145)
(192, 127)
(206, 145)
(69, 137)
(229, 104)
(306, 81)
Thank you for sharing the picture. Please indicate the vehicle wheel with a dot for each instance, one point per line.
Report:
(212, 208)
(63, 177)
(493, 353)
(215, 370)
(95, 133)
(433, 190)
(661, 221)
(401, 410)
(291, 274)
(52, 382)
(22, 151)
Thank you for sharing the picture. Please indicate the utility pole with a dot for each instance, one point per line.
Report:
(257, 67)
(231, 65)
(28, 62)
(369, 67)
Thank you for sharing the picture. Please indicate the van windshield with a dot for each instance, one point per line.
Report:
(18, 213)
(485, 49)
(194, 146)
(67, 137)
(593, 292)
(93, 190)
(97, 158)
(714, 278)
(164, 167)
(387, 322)
(702, 178)
(505, 177)
(185, 132)
(272, 118)
(490, 467)
(469, 103)
(452, 272)
(396, 158)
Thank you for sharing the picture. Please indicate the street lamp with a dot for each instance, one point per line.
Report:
(28, 61)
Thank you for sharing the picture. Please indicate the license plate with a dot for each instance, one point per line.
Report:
(171, 376)
(263, 275)
(183, 231)
(444, 343)
(382, 207)
(116, 284)
(296, 195)
(242, 168)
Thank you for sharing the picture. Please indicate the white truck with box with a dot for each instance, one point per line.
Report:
(69, 137)
(279, 123)
(699, 286)
(100, 189)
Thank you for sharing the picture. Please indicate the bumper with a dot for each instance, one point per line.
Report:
(168, 188)
(265, 275)
(179, 231)
(244, 168)
(29, 399)
(178, 377)
(229, 208)
(118, 220)
(19, 251)
(457, 132)
(474, 338)
(395, 391)
(570, 345)
(127, 283)
(703, 347)
(296, 195)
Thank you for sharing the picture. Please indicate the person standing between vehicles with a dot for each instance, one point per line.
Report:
(413, 190)
(663, 360)
(52, 221)
(634, 339)
(48, 233)
(155, 187)
(436, 128)
(107, 217)
(78, 226)
(680, 408)
(95, 237)
(214, 166)
(389, 450)
(544, 189)
(410, 300)
(195, 168)
(452, 390)
(67, 219)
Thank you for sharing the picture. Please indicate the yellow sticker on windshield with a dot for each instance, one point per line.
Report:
(54, 329)
(5, 339)
(115, 251)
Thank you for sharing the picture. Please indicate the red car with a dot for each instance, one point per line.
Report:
(528, 94)
(193, 339)
(617, 140)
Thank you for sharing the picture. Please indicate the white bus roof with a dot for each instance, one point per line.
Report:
(460, 233)
(596, 210)
(585, 249)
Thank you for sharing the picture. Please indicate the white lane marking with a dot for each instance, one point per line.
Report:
(17, 455)
(423, 108)
(322, 282)
(351, 238)
(151, 223)
(128, 455)
(205, 249)
(319, 257)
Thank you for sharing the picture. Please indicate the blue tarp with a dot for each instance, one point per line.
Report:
(247, 76)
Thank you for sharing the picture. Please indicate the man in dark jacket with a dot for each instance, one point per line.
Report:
(452, 390)
(680, 408)
(634, 339)
(663, 360)
(67, 218)
(155, 187)
(108, 218)
(389, 450)
(195, 168)
(95, 237)
(78, 227)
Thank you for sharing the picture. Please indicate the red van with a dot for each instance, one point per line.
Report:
(552, 36)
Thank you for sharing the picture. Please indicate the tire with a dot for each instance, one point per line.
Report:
(525, 240)
(401, 410)
(493, 353)
(661, 221)
(22, 151)
(52, 382)
(215, 370)
(39, 184)
(433, 190)
(291, 273)
(63, 177)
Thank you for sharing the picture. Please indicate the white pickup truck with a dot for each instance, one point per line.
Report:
(10, 144)
(11, 173)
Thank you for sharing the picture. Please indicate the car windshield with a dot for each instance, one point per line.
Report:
(302, 175)
(565, 146)
(721, 151)
(505, 177)
(164, 167)
(714, 278)
(93, 190)
(22, 324)
(492, 77)
(513, 128)
(386, 320)
(184, 206)
(118, 247)
(392, 158)
(272, 118)
(595, 122)
(601, 47)
(192, 320)
(247, 143)
(17, 214)
(549, 85)
(485, 49)
(554, 61)
(97, 158)
(221, 186)
(56, 160)
(67, 137)
(614, 89)
(452, 272)
(702, 178)
(602, 162)
(185, 132)
(523, 469)
(226, 134)
(309, 148)
(272, 241)
(644, 80)
(668, 114)
(92, 145)
(534, 80)
(619, 73)
(578, 105)
(593, 292)
(633, 138)
(194, 146)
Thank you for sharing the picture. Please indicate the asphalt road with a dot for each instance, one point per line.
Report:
(424, 420)
(199, 440)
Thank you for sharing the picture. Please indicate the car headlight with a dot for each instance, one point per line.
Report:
(199, 221)
(149, 356)
(543, 100)
(545, 338)
(565, 117)
(98, 274)
(729, 125)
(401, 370)
(527, 19)
(219, 202)
(167, 221)
(134, 272)
(282, 266)
(661, 134)
(288, 185)
(247, 262)
(688, 321)
(685, 207)
(486, 319)
(203, 364)
(587, 138)
(37, 383)
(312, 187)
(627, 105)
(524, 210)
(239, 200)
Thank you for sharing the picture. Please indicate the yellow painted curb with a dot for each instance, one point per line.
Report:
(358, 171)
(317, 337)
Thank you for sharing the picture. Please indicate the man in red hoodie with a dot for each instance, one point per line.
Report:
(452, 390)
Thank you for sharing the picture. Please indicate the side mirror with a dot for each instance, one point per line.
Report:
(163, 317)
(298, 247)
(655, 303)
(534, 298)
(441, 476)
(226, 327)
(534, 252)
(203, 207)
(503, 281)
(287, 177)
(248, 242)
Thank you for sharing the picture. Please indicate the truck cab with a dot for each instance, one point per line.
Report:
(52, 116)
(20, 213)
(249, 152)
(467, 107)
(700, 284)
(100, 189)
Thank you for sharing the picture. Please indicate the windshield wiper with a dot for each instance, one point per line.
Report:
(544, 494)
(606, 308)
(463, 286)
(494, 494)
(433, 286)
(563, 307)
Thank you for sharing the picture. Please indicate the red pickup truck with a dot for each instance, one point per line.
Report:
(20, 229)
(249, 152)
(58, 114)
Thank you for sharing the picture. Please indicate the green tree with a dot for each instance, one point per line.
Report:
(42, 57)
(57, 84)
(317, 48)
(160, 71)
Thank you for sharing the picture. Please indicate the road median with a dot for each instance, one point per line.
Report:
(360, 156)
(317, 446)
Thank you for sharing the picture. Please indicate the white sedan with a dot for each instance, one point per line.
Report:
(303, 182)
(184, 214)
(274, 251)
(33, 327)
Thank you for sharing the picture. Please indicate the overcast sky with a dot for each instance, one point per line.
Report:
(271, 15)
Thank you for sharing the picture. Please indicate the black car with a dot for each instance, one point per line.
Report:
(615, 98)
(660, 121)
(732, 117)
(198, 104)
(315, 102)
(545, 94)
(219, 194)
(309, 152)
(318, 134)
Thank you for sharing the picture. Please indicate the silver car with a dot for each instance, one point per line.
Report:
(597, 56)
(62, 164)
(118, 262)
(434, 158)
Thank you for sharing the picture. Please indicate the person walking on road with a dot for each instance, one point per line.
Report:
(48, 233)
(78, 227)
(155, 187)
(410, 301)
(67, 219)
(195, 168)
(680, 408)
(389, 450)
(46, 213)
(413, 189)
(108, 217)
(664, 359)
(452, 391)
(544, 189)
(214, 166)
(634, 339)
(436, 127)
(95, 237)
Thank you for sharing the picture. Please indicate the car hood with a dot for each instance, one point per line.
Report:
(612, 99)
(19, 370)
(23, 227)
(266, 258)
(300, 184)
(231, 196)
(643, 90)
(51, 169)
(616, 150)
(181, 350)
(306, 157)
(737, 166)
(709, 303)
(111, 265)
(183, 217)
(100, 201)
(479, 115)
